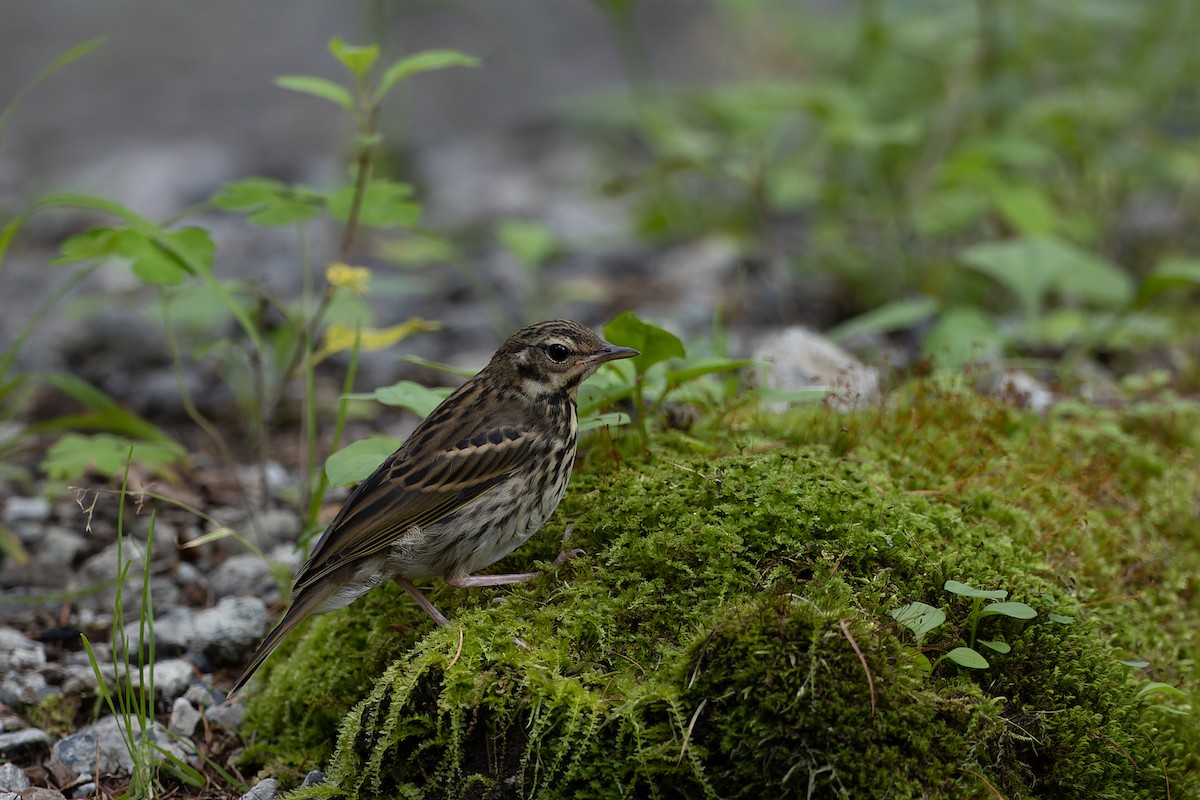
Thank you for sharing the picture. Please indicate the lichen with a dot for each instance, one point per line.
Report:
(727, 633)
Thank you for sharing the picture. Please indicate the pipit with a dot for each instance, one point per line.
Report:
(478, 477)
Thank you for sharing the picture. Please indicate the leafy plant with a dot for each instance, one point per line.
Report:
(921, 618)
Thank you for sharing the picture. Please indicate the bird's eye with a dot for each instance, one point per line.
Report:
(558, 353)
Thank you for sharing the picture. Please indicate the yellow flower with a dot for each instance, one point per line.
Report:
(344, 276)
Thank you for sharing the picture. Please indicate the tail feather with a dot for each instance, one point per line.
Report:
(306, 603)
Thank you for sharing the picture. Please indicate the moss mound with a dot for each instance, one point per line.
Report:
(727, 633)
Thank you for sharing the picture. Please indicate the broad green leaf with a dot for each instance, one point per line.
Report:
(422, 62)
(966, 590)
(707, 366)
(1014, 610)
(1169, 274)
(1061, 619)
(269, 203)
(896, 315)
(318, 87)
(384, 204)
(1026, 208)
(613, 419)
(416, 398)
(1158, 687)
(75, 454)
(922, 661)
(962, 336)
(1136, 664)
(918, 617)
(93, 243)
(1016, 266)
(356, 461)
(531, 243)
(654, 343)
(966, 657)
(357, 58)
(999, 647)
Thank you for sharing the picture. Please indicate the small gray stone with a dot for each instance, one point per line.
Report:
(110, 743)
(278, 525)
(84, 790)
(1018, 388)
(228, 632)
(266, 789)
(60, 545)
(229, 716)
(41, 793)
(202, 696)
(18, 651)
(175, 630)
(314, 778)
(244, 574)
(172, 677)
(79, 753)
(803, 359)
(13, 778)
(9, 796)
(26, 509)
(184, 718)
(18, 740)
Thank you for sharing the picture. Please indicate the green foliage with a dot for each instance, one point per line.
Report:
(728, 631)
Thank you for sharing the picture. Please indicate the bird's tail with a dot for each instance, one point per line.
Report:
(307, 602)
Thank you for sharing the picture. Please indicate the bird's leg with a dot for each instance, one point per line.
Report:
(422, 601)
(470, 581)
(564, 554)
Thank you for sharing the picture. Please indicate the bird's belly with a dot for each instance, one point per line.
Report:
(481, 533)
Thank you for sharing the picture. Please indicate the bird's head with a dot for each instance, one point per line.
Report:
(554, 356)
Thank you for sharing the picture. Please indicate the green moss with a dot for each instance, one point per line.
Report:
(727, 633)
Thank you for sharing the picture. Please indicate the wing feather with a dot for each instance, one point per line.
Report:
(396, 497)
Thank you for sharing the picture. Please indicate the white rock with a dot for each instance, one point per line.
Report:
(1019, 388)
(228, 632)
(26, 509)
(13, 778)
(266, 789)
(799, 358)
(184, 718)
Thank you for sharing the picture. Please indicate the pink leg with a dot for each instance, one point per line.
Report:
(469, 581)
(423, 601)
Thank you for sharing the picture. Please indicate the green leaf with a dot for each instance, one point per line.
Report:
(966, 657)
(424, 61)
(318, 87)
(161, 258)
(450, 368)
(1014, 610)
(1158, 687)
(356, 461)
(269, 203)
(896, 315)
(416, 398)
(531, 243)
(1136, 664)
(962, 336)
(918, 617)
(654, 343)
(966, 590)
(702, 367)
(385, 204)
(999, 647)
(1026, 208)
(1061, 619)
(1033, 267)
(75, 454)
(357, 58)
(613, 419)
(1169, 274)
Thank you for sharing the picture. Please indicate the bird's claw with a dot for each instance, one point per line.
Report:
(566, 555)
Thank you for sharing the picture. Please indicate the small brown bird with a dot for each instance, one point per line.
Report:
(479, 476)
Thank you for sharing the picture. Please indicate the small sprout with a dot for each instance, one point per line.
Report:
(918, 617)
(966, 590)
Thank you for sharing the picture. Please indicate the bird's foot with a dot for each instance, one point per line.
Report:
(564, 554)
(423, 601)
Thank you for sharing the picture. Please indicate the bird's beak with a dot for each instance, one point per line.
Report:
(611, 353)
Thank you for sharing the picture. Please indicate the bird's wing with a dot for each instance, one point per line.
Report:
(417, 486)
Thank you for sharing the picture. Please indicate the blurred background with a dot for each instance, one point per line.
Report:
(926, 182)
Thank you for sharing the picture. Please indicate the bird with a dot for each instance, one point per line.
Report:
(475, 480)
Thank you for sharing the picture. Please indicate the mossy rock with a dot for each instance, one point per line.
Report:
(727, 632)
